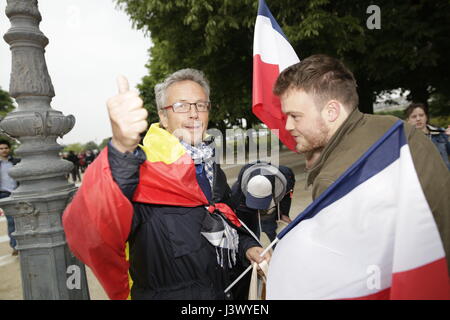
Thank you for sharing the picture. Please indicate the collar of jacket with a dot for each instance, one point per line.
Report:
(434, 130)
(353, 119)
(13, 160)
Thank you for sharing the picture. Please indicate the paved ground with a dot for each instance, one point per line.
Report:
(10, 280)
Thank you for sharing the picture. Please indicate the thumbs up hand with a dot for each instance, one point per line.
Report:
(128, 117)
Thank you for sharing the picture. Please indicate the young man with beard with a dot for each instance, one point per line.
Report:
(319, 97)
(153, 221)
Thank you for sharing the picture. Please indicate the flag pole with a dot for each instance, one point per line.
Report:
(250, 266)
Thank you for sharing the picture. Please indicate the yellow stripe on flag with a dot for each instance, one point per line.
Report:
(164, 146)
(127, 257)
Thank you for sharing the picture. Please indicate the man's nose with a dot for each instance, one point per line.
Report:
(193, 113)
(289, 124)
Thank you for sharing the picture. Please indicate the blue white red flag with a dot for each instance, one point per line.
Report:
(370, 235)
(272, 53)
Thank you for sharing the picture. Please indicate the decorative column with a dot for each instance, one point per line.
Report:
(48, 268)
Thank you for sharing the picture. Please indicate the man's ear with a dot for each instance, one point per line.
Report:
(332, 110)
(164, 122)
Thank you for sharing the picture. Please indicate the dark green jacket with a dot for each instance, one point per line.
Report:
(357, 134)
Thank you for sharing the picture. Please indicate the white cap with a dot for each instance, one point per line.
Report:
(259, 190)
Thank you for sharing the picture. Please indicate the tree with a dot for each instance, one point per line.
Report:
(104, 143)
(91, 145)
(439, 105)
(6, 103)
(75, 147)
(216, 36)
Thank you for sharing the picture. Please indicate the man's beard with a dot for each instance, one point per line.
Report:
(314, 141)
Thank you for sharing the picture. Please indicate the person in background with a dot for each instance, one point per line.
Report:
(262, 197)
(72, 157)
(417, 115)
(90, 157)
(82, 161)
(7, 185)
(258, 207)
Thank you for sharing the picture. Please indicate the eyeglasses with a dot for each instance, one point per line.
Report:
(182, 107)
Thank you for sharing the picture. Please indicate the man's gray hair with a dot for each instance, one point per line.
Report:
(180, 75)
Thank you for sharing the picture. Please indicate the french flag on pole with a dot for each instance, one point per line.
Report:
(370, 235)
(272, 53)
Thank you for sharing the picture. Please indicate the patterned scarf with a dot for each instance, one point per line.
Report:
(221, 235)
(214, 227)
(202, 152)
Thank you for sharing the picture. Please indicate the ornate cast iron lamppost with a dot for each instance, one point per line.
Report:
(48, 268)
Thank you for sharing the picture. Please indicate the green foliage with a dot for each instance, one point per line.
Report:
(438, 109)
(6, 103)
(216, 36)
(91, 145)
(6, 106)
(103, 143)
(439, 105)
(395, 113)
(441, 121)
(75, 147)
(79, 147)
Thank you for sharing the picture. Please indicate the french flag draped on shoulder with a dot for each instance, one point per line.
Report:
(370, 235)
(272, 53)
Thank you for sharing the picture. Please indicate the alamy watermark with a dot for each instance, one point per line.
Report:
(74, 278)
(73, 17)
(374, 279)
(374, 20)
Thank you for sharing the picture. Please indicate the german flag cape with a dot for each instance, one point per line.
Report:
(97, 222)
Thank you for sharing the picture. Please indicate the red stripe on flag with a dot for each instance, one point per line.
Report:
(227, 212)
(381, 295)
(267, 106)
(97, 224)
(428, 282)
(170, 184)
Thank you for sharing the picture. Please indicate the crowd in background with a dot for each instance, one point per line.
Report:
(80, 161)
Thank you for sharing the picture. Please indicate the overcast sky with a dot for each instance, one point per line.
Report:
(91, 42)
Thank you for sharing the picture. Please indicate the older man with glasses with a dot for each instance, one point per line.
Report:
(152, 221)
